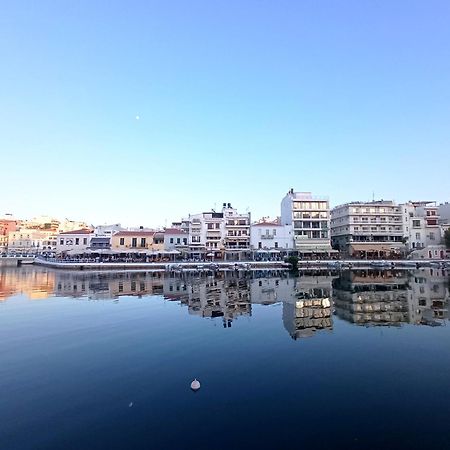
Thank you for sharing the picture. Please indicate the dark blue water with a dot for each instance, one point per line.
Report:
(96, 361)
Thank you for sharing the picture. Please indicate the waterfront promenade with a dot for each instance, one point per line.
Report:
(242, 265)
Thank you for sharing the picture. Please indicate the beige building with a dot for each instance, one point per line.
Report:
(140, 241)
(31, 241)
(367, 229)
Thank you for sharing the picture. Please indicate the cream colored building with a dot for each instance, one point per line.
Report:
(31, 241)
(140, 241)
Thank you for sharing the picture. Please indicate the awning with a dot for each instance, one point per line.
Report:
(314, 249)
(374, 247)
(100, 241)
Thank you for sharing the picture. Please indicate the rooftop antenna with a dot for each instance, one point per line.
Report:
(373, 196)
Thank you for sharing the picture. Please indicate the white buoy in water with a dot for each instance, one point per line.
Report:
(195, 385)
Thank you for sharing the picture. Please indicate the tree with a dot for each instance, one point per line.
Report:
(447, 238)
(293, 261)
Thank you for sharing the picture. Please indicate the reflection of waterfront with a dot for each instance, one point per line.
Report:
(367, 297)
(363, 297)
(34, 283)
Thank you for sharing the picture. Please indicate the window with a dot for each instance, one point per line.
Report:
(122, 241)
(210, 226)
(418, 236)
(276, 244)
(259, 244)
(134, 242)
(178, 240)
(274, 232)
(217, 226)
(77, 241)
(171, 240)
(84, 241)
(61, 242)
(431, 236)
(143, 242)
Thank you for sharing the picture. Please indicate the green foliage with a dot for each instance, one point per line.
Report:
(293, 261)
(447, 238)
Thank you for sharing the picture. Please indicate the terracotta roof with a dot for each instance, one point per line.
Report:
(135, 233)
(174, 231)
(84, 231)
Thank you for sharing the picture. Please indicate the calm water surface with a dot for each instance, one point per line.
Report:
(355, 360)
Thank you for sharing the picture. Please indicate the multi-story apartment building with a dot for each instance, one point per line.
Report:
(206, 233)
(309, 217)
(367, 229)
(237, 233)
(32, 241)
(270, 236)
(7, 224)
(224, 234)
(421, 224)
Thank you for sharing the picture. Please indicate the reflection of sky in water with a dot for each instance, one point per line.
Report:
(72, 363)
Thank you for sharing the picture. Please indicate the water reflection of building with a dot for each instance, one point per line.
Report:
(428, 297)
(367, 297)
(34, 283)
(98, 286)
(221, 296)
(309, 308)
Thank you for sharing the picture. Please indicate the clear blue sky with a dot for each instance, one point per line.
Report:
(238, 101)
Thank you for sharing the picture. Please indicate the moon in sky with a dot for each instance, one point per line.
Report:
(137, 117)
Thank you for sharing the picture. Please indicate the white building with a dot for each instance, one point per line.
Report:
(224, 234)
(271, 236)
(101, 238)
(421, 229)
(74, 242)
(237, 233)
(367, 229)
(309, 217)
(175, 239)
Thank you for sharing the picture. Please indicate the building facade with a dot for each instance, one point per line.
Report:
(367, 229)
(139, 241)
(309, 217)
(271, 237)
(220, 235)
(31, 241)
(74, 242)
(175, 239)
(421, 225)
